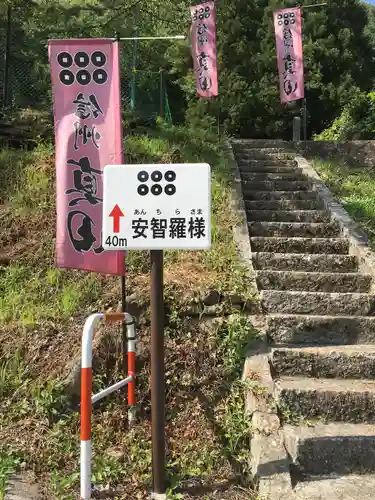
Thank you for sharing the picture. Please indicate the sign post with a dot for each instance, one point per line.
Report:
(157, 372)
(157, 207)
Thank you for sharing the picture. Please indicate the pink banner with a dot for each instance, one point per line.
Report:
(203, 46)
(288, 31)
(88, 136)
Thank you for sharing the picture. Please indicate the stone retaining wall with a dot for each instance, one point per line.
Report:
(355, 153)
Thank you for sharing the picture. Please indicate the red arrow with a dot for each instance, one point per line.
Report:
(116, 214)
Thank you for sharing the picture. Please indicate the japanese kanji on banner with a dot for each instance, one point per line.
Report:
(88, 136)
(288, 32)
(203, 46)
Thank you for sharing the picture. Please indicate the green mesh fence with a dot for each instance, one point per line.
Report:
(143, 92)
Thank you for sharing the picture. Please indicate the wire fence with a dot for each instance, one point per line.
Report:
(25, 79)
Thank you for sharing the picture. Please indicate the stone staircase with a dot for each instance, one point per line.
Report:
(319, 309)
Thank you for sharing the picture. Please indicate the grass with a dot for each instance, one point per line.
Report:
(207, 428)
(354, 188)
(26, 186)
(8, 465)
(41, 313)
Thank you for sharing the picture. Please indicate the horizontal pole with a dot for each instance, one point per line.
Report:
(123, 39)
(105, 392)
(313, 5)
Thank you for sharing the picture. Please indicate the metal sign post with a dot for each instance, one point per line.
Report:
(157, 372)
(157, 207)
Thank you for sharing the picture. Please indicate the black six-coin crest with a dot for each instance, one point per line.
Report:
(286, 19)
(202, 13)
(156, 178)
(75, 68)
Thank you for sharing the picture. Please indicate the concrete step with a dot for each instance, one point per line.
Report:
(304, 262)
(283, 205)
(313, 282)
(259, 166)
(294, 229)
(250, 194)
(349, 400)
(336, 487)
(268, 176)
(324, 330)
(354, 361)
(297, 302)
(288, 215)
(334, 448)
(300, 245)
(276, 185)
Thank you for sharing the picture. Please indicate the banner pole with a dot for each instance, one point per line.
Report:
(7, 57)
(218, 118)
(305, 123)
(157, 373)
(161, 93)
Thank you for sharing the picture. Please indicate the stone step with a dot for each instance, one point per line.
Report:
(304, 262)
(334, 448)
(288, 215)
(283, 204)
(261, 144)
(277, 185)
(268, 156)
(349, 400)
(250, 194)
(265, 150)
(335, 487)
(294, 229)
(354, 361)
(259, 166)
(249, 165)
(300, 245)
(313, 282)
(297, 302)
(265, 153)
(269, 176)
(324, 330)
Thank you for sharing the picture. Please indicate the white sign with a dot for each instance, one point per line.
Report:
(157, 207)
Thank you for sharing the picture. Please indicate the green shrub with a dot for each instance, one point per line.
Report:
(357, 121)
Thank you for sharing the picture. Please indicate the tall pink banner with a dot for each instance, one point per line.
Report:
(88, 136)
(288, 31)
(203, 46)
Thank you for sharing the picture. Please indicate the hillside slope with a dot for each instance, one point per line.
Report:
(42, 310)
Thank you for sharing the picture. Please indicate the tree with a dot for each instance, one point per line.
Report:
(339, 47)
(339, 61)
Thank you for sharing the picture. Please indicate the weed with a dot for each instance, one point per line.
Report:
(50, 295)
(233, 339)
(8, 466)
(291, 415)
(354, 187)
(12, 375)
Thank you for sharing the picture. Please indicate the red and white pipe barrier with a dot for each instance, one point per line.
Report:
(87, 399)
